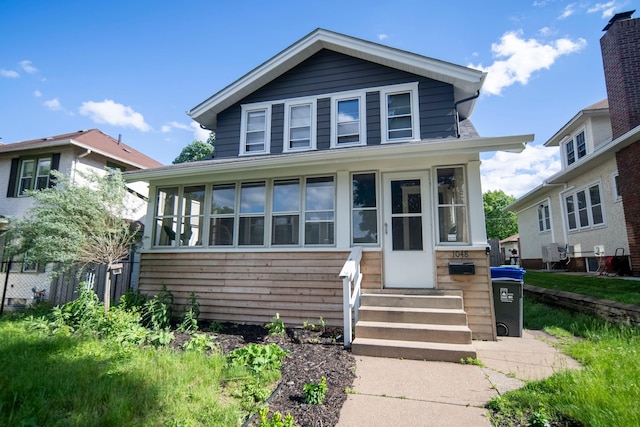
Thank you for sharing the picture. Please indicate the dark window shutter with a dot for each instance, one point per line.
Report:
(13, 177)
(55, 164)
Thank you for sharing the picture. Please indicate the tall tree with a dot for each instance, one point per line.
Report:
(79, 221)
(197, 150)
(499, 224)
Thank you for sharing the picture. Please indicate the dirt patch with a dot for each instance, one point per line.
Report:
(314, 353)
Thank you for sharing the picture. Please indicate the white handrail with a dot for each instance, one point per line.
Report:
(351, 280)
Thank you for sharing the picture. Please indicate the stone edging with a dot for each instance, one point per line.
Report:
(610, 310)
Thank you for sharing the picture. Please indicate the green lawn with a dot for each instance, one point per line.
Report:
(604, 393)
(615, 289)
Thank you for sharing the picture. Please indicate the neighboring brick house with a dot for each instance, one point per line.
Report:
(588, 211)
(333, 144)
(27, 165)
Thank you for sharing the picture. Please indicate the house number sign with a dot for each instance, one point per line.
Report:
(461, 254)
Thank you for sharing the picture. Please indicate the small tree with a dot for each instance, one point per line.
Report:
(197, 150)
(79, 221)
(499, 224)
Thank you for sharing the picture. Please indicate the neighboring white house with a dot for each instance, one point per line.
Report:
(333, 144)
(27, 165)
(575, 217)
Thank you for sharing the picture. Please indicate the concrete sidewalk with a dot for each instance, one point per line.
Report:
(418, 393)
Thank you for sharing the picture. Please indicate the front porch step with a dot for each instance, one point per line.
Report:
(412, 349)
(414, 301)
(434, 316)
(450, 334)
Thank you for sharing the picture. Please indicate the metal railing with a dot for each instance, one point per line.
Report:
(351, 281)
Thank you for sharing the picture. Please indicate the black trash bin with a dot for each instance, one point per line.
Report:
(507, 285)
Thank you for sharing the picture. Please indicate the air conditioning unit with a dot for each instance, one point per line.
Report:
(598, 250)
(551, 252)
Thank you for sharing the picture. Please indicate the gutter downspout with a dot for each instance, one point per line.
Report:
(455, 107)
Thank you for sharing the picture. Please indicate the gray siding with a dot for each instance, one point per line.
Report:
(330, 72)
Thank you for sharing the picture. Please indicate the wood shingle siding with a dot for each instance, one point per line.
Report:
(252, 287)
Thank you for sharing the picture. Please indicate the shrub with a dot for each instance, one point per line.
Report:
(200, 343)
(158, 310)
(276, 326)
(189, 322)
(258, 358)
(314, 393)
(276, 420)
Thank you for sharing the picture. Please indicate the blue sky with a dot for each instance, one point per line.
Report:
(135, 67)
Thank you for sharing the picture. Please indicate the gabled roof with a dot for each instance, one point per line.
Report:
(600, 108)
(466, 81)
(93, 140)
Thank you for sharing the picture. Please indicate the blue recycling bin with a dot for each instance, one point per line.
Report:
(507, 283)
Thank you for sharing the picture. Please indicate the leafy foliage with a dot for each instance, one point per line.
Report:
(276, 420)
(200, 343)
(314, 393)
(258, 358)
(276, 326)
(499, 224)
(189, 322)
(196, 151)
(158, 310)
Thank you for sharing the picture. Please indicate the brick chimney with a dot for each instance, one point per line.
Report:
(621, 59)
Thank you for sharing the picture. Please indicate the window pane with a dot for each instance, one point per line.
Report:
(319, 233)
(221, 231)
(364, 190)
(400, 124)
(596, 205)
(286, 196)
(251, 231)
(255, 137)
(165, 232)
(571, 216)
(405, 197)
(451, 186)
(407, 233)
(452, 222)
(252, 198)
(571, 158)
(365, 226)
(319, 216)
(44, 166)
(399, 104)
(594, 195)
(193, 200)
(223, 199)
(540, 220)
(167, 202)
(191, 231)
(285, 230)
(320, 194)
(348, 110)
(596, 212)
(256, 120)
(300, 116)
(581, 145)
(547, 218)
(583, 215)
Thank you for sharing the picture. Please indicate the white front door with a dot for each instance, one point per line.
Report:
(408, 251)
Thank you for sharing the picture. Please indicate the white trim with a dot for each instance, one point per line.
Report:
(247, 108)
(412, 88)
(361, 96)
(312, 102)
(572, 140)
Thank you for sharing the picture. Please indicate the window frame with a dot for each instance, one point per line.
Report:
(286, 137)
(464, 207)
(34, 176)
(414, 103)
(178, 217)
(572, 146)
(356, 209)
(617, 195)
(274, 214)
(245, 110)
(361, 97)
(543, 213)
(588, 209)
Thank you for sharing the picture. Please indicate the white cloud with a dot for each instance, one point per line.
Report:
(523, 58)
(115, 114)
(569, 10)
(27, 67)
(37, 93)
(53, 104)
(607, 9)
(174, 125)
(546, 31)
(199, 133)
(516, 174)
(382, 36)
(9, 73)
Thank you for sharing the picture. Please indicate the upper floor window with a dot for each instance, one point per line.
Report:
(584, 208)
(452, 205)
(544, 218)
(399, 112)
(616, 187)
(255, 129)
(34, 174)
(348, 120)
(300, 125)
(575, 148)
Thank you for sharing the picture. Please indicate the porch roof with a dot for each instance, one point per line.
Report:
(514, 143)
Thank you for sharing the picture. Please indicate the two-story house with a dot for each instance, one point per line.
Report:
(585, 217)
(27, 165)
(332, 144)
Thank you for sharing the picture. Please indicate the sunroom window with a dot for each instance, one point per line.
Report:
(223, 209)
(285, 229)
(452, 205)
(364, 211)
(252, 211)
(179, 216)
(319, 211)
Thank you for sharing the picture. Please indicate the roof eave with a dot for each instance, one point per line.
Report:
(554, 141)
(466, 81)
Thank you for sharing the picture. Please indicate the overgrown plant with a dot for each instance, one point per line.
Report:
(189, 322)
(199, 342)
(314, 393)
(276, 420)
(158, 310)
(160, 337)
(276, 326)
(258, 357)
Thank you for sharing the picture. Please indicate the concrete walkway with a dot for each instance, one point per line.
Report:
(392, 392)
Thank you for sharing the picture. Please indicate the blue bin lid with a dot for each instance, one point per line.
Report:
(507, 272)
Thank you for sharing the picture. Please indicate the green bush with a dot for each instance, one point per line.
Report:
(189, 322)
(158, 310)
(258, 358)
(276, 420)
(276, 326)
(314, 393)
(200, 343)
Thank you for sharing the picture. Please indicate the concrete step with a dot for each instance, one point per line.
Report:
(412, 350)
(415, 301)
(434, 316)
(451, 334)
